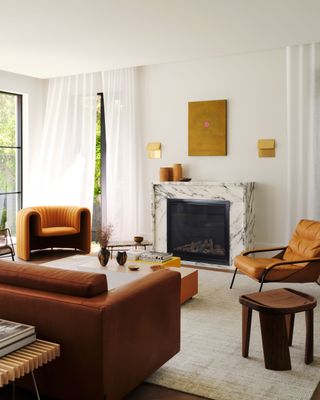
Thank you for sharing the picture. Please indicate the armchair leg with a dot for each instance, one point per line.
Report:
(262, 279)
(234, 275)
(261, 284)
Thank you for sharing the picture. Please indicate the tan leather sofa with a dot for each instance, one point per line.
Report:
(53, 226)
(110, 341)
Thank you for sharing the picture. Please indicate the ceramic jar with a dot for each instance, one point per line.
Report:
(121, 257)
(177, 172)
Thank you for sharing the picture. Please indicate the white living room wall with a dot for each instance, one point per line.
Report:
(33, 91)
(255, 86)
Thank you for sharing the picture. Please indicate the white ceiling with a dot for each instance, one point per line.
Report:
(46, 38)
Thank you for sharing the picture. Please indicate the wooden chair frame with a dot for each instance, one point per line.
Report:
(7, 246)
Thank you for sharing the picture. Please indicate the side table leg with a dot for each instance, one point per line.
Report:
(13, 390)
(246, 328)
(308, 356)
(275, 341)
(35, 385)
(290, 325)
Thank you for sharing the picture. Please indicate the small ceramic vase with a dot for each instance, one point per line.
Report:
(103, 256)
(177, 172)
(121, 257)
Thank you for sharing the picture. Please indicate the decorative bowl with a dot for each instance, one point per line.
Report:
(133, 267)
(157, 267)
(138, 239)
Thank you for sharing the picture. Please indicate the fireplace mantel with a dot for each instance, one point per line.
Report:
(239, 194)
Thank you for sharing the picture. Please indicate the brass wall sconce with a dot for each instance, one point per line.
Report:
(267, 147)
(154, 150)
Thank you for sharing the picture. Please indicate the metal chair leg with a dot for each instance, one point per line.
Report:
(262, 279)
(261, 284)
(234, 275)
(35, 385)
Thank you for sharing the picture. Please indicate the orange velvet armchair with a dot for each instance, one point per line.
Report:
(297, 262)
(53, 226)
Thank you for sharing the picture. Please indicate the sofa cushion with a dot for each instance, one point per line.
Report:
(58, 231)
(74, 283)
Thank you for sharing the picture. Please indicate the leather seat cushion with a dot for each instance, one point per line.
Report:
(58, 231)
(255, 267)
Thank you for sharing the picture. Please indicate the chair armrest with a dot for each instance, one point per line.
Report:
(246, 252)
(280, 263)
(80, 219)
(141, 330)
(23, 230)
(73, 216)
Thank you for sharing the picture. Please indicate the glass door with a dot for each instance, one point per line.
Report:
(10, 159)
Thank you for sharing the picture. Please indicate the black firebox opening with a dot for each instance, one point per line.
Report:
(198, 230)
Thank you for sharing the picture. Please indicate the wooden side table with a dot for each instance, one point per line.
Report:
(277, 309)
(118, 245)
(25, 360)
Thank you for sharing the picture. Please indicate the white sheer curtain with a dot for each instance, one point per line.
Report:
(65, 162)
(123, 175)
(303, 125)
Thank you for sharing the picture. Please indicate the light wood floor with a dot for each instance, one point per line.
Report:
(145, 391)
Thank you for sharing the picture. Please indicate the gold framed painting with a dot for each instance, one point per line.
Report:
(207, 128)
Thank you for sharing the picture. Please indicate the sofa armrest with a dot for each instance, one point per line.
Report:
(141, 326)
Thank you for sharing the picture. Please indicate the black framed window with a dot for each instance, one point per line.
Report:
(10, 159)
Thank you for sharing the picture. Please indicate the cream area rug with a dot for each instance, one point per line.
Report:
(210, 362)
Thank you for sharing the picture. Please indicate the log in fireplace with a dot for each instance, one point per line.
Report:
(198, 230)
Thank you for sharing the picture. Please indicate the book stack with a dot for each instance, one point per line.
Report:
(155, 256)
(14, 335)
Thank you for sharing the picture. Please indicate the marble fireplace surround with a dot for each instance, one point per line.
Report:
(239, 194)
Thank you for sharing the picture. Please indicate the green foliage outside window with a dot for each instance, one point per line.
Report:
(96, 217)
(7, 138)
(3, 219)
(97, 175)
(8, 129)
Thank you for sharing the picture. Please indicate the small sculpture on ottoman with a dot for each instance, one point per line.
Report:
(121, 257)
(104, 235)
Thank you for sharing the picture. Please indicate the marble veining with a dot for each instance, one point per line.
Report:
(239, 194)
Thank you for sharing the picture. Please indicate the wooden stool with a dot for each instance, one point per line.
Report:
(276, 312)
